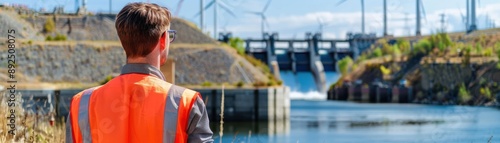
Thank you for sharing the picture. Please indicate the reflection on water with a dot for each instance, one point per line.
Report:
(332, 121)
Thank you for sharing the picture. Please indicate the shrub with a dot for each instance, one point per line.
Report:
(385, 70)
(271, 83)
(106, 80)
(238, 44)
(422, 47)
(279, 82)
(60, 37)
(488, 52)
(48, 38)
(49, 26)
(377, 53)
(240, 84)
(206, 83)
(259, 84)
(395, 50)
(404, 45)
(486, 93)
(257, 63)
(463, 94)
(479, 49)
(344, 65)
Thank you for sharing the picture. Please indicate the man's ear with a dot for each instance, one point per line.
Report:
(163, 40)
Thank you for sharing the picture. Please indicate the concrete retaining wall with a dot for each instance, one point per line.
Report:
(372, 94)
(261, 104)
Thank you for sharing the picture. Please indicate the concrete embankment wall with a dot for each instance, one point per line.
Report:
(372, 94)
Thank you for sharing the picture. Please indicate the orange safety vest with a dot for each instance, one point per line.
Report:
(132, 108)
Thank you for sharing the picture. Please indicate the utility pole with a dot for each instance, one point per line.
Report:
(385, 18)
(418, 19)
(201, 15)
(443, 28)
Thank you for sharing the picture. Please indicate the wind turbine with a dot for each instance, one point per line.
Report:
(362, 14)
(262, 16)
(215, 3)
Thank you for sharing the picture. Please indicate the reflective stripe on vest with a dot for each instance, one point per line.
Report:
(83, 116)
(177, 108)
(178, 105)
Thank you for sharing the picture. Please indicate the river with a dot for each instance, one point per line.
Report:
(315, 120)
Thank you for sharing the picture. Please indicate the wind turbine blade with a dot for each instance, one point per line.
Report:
(462, 16)
(340, 2)
(267, 5)
(423, 10)
(253, 12)
(265, 20)
(320, 21)
(227, 9)
(179, 5)
(206, 7)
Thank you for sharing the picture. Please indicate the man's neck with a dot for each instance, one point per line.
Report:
(144, 60)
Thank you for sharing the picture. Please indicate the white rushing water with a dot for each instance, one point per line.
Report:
(303, 87)
(311, 95)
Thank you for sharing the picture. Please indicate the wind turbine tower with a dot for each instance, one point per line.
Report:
(385, 18)
(418, 33)
(215, 18)
(473, 26)
(362, 16)
(201, 15)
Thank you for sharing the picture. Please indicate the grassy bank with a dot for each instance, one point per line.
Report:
(22, 125)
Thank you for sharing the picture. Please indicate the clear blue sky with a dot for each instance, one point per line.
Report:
(293, 18)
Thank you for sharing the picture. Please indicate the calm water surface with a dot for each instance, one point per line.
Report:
(331, 121)
(317, 121)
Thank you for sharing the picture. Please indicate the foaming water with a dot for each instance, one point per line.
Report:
(311, 95)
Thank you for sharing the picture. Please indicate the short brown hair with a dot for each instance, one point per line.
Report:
(140, 26)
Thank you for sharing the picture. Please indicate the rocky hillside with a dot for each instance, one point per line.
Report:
(92, 52)
(11, 20)
(437, 68)
(87, 63)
